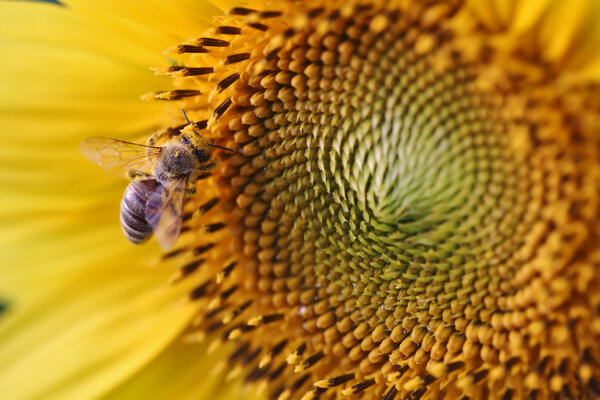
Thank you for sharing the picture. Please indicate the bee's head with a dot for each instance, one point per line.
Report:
(185, 140)
(201, 152)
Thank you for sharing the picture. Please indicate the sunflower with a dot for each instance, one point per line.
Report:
(411, 208)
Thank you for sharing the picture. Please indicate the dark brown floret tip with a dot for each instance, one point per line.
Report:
(210, 228)
(229, 30)
(206, 207)
(188, 71)
(199, 291)
(228, 81)
(236, 58)
(203, 249)
(175, 94)
(188, 48)
(174, 253)
(212, 42)
(258, 26)
(221, 108)
(241, 11)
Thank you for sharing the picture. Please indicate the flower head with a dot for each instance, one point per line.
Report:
(411, 206)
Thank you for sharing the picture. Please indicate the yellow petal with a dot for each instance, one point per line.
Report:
(70, 74)
(184, 371)
(561, 26)
(53, 93)
(85, 320)
(486, 12)
(505, 9)
(76, 32)
(225, 5)
(591, 72)
(86, 309)
(528, 13)
(156, 26)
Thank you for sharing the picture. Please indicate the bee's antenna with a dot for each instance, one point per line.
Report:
(220, 147)
(185, 116)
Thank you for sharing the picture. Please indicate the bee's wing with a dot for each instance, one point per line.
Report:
(118, 156)
(163, 212)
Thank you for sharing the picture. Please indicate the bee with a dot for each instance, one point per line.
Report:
(153, 202)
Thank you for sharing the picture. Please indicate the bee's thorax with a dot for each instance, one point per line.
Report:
(176, 162)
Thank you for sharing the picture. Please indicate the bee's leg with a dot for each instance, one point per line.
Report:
(135, 174)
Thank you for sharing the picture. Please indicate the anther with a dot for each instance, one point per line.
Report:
(273, 375)
(203, 249)
(271, 54)
(454, 366)
(511, 362)
(313, 394)
(270, 14)
(315, 12)
(239, 352)
(204, 208)
(186, 48)
(479, 375)
(221, 108)
(333, 15)
(210, 228)
(235, 58)
(212, 42)
(224, 273)
(214, 311)
(294, 357)
(171, 94)
(251, 357)
(241, 11)
(255, 375)
(180, 71)
(199, 291)
(417, 394)
(258, 26)
(186, 270)
(265, 319)
(309, 362)
(229, 30)
(301, 381)
(508, 394)
(358, 388)
(174, 252)
(390, 394)
(237, 311)
(226, 82)
(272, 354)
(226, 293)
(336, 381)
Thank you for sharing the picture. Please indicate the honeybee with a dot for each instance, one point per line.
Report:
(153, 202)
